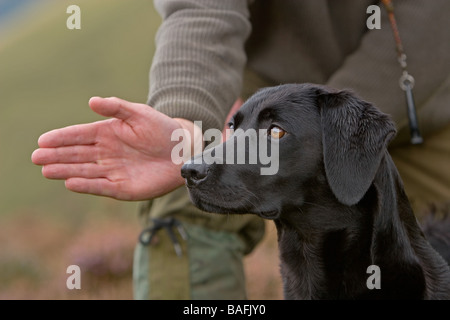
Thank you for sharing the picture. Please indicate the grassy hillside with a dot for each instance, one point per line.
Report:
(48, 73)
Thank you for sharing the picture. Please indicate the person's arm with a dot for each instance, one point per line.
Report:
(197, 68)
(373, 71)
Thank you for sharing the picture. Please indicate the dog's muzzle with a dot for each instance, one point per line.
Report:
(194, 173)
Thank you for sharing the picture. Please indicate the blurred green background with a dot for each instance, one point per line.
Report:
(47, 75)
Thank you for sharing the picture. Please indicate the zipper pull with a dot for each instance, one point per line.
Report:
(407, 84)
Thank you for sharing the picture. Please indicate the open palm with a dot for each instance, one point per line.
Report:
(127, 157)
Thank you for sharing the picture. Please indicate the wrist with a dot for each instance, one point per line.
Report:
(194, 136)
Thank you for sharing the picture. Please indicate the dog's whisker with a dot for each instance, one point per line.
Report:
(235, 191)
(254, 196)
(315, 205)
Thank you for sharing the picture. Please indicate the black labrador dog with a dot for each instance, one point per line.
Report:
(337, 200)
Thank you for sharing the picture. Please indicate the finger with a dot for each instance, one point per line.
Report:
(117, 108)
(72, 135)
(70, 170)
(69, 154)
(99, 186)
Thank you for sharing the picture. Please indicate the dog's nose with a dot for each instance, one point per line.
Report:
(194, 173)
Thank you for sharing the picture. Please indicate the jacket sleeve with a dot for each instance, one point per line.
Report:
(196, 71)
(373, 70)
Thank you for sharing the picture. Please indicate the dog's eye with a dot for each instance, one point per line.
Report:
(276, 132)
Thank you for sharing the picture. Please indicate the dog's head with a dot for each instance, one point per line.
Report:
(305, 137)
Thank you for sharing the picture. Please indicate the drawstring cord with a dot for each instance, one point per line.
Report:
(168, 224)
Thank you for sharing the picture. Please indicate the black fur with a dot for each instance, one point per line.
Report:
(337, 199)
(436, 226)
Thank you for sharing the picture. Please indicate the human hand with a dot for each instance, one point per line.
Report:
(127, 157)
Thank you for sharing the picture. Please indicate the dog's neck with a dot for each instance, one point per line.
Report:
(332, 245)
(322, 242)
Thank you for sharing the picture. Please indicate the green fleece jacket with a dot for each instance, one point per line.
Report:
(203, 47)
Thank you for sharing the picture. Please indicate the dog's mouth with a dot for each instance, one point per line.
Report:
(269, 215)
(216, 207)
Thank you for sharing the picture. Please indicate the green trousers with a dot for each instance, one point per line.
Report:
(425, 171)
(208, 261)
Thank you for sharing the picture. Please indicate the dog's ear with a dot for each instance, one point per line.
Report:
(355, 135)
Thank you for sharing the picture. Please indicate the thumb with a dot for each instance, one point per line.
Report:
(115, 107)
